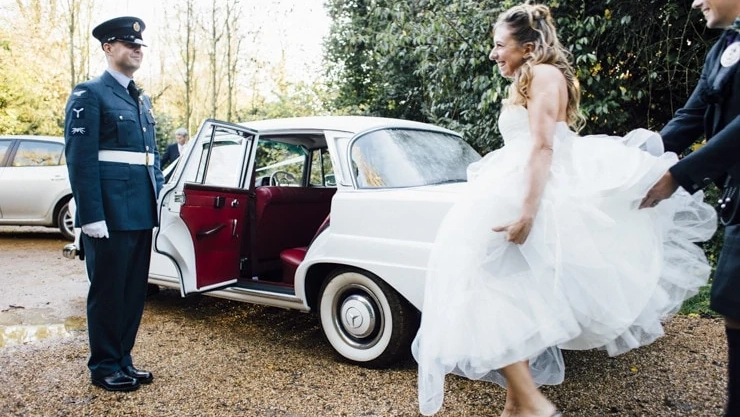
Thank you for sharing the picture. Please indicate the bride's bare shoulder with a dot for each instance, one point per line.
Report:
(547, 73)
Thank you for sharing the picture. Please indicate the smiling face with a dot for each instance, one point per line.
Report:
(507, 52)
(718, 13)
(124, 57)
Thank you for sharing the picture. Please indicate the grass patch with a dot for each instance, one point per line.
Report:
(699, 304)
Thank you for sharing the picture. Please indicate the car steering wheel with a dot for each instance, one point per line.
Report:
(287, 178)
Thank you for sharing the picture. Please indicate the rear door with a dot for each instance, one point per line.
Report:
(204, 209)
(33, 181)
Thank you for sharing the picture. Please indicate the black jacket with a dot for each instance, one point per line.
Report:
(714, 112)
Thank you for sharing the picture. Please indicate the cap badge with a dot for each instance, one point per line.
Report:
(137, 27)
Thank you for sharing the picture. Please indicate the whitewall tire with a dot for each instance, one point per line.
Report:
(365, 320)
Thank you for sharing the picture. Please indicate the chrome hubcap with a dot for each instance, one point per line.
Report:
(357, 316)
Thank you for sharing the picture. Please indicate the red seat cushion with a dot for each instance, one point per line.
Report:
(290, 259)
(293, 256)
(287, 217)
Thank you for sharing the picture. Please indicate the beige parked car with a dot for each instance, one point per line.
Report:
(34, 184)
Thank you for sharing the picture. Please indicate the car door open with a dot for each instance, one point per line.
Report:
(204, 213)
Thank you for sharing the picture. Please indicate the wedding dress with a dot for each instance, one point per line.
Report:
(594, 272)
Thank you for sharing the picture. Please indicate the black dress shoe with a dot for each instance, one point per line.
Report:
(117, 381)
(143, 377)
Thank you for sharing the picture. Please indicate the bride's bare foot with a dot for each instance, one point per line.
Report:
(512, 410)
(511, 405)
(509, 411)
(539, 407)
(555, 413)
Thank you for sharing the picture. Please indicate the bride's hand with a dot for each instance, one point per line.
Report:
(518, 231)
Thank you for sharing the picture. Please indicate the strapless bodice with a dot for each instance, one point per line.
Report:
(513, 123)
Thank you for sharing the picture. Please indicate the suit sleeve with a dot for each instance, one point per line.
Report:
(687, 125)
(81, 136)
(714, 158)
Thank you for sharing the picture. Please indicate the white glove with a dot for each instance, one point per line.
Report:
(97, 229)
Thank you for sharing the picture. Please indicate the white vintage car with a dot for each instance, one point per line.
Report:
(328, 214)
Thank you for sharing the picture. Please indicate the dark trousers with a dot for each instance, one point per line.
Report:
(118, 269)
(725, 293)
(725, 299)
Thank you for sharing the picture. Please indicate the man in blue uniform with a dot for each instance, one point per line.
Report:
(114, 171)
(713, 110)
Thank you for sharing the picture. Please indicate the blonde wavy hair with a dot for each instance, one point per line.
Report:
(533, 23)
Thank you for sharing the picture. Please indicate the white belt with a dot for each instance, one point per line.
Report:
(125, 157)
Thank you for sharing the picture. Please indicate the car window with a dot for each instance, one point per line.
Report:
(408, 158)
(223, 167)
(322, 172)
(4, 146)
(278, 163)
(36, 153)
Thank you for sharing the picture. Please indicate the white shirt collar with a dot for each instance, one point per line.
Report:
(122, 79)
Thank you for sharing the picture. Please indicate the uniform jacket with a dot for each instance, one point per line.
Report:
(713, 112)
(170, 154)
(101, 115)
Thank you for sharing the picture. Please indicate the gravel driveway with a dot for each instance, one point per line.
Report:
(213, 357)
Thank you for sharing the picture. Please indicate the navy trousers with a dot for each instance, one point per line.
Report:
(118, 269)
(725, 294)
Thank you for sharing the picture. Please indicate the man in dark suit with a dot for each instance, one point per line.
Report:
(713, 110)
(114, 172)
(174, 150)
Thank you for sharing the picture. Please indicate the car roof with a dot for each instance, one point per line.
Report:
(351, 124)
(59, 139)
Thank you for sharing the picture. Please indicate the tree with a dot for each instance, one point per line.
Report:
(78, 13)
(371, 58)
(33, 86)
(234, 40)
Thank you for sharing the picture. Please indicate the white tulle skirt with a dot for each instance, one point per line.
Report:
(595, 272)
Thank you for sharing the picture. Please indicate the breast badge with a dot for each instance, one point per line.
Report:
(78, 131)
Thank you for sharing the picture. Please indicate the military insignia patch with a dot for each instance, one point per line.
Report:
(78, 113)
(79, 93)
(78, 131)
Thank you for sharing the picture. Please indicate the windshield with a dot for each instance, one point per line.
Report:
(392, 158)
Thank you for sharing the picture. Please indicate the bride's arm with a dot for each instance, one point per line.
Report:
(547, 101)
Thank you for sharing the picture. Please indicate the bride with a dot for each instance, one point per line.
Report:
(547, 249)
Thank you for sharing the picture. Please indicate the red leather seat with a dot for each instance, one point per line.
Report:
(290, 259)
(287, 217)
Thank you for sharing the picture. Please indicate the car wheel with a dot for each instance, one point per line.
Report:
(365, 320)
(66, 222)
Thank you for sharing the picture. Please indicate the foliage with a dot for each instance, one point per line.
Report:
(32, 90)
(371, 59)
(699, 304)
(165, 131)
(293, 100)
